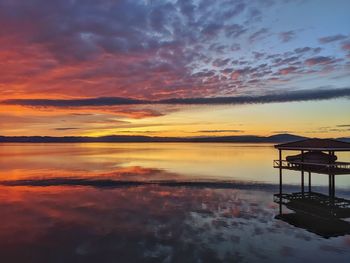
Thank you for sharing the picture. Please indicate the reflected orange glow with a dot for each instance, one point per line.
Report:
(146, 162)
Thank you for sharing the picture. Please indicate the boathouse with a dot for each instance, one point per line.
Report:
(316, 156)
(318, 213)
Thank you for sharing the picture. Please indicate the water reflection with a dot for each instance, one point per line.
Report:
(150, 223)
(128, 212)
(242, 162)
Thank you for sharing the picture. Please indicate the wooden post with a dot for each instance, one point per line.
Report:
(330, 176)
(309, 182)
(333, 180)
(329, 161)
(280, 167)
(302, 172)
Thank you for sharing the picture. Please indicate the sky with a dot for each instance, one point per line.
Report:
(174, 67)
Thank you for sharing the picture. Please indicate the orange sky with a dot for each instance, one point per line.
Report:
(318, 118)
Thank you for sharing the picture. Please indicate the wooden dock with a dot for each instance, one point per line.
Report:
(318, 213)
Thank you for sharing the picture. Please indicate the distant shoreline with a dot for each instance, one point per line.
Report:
(124, 142)
(278, 138)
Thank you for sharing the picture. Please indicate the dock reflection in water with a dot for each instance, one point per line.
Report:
(316, 213)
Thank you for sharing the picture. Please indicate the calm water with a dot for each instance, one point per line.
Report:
(85, 203)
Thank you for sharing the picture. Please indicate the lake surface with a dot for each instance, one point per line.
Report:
(153, 202)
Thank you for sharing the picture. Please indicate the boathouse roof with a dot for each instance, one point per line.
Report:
(315, 145)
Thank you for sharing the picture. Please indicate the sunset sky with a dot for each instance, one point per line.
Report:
(175, 67)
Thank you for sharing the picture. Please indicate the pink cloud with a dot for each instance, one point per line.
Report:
(346, 46)
(320, 60)
(286, 71)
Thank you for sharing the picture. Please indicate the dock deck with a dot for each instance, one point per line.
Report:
(320, 168)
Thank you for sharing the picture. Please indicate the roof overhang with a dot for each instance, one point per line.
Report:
(311, 149)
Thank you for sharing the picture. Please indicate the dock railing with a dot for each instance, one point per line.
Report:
(291, 165)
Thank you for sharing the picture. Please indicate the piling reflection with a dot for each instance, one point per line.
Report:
(316, 213)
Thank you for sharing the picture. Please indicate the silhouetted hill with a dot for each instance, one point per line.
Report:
(278, 138)
(249, 138)
(344, 139)
(285, 137)
(124, 138)
(80, 139)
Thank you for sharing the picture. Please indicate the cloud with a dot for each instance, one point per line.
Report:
(218, 131)
(258, 34)
(287, 36)
(108, 101)
(94, 102)
(155, 49)
(286, 71)
(300, 95)
(66, 129)
(320, 60)
(237, 9)
(346, 46)
(307, 49)
(221, 62)
(333, 38)
(234, 30)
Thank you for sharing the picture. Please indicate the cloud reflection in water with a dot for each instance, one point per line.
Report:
(150, 223)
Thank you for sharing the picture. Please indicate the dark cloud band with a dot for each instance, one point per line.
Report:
(301, 95)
